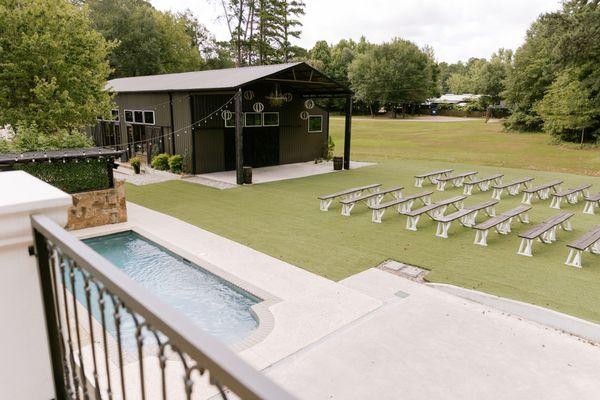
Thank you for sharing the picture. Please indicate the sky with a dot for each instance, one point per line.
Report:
(457, 29)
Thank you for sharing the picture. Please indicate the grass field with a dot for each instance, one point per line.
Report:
(282, 218)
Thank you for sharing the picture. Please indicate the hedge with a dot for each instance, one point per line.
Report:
(71, 176)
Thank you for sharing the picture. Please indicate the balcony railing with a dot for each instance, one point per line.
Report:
(112, 339)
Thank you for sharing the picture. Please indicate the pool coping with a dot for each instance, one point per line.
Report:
(260, 311)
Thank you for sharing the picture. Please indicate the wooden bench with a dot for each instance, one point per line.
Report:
(457, 180)
(370, 198)
(402, 205)
(542, 191)
(572, 195)
(482, 183)
(591, 202)
(466, 216)
(433, 210)
(512, 187)
(544, 232)
(432, 176)
(500, 223)
(590, 241)
(327, 199)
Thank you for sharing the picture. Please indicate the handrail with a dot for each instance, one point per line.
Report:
(225, 367)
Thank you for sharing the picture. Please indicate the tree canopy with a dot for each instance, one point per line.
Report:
(53, 66)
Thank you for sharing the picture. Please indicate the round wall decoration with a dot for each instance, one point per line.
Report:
(258, 107)
(304, 115)
(288, 97)
(249, 94)
(226, 115)
(309, 104)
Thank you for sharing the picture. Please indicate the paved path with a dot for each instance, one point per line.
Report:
(428, 344)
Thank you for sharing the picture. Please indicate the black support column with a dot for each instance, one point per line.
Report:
(239, 139)
(347, 132)
(173, 152)
(193, 134)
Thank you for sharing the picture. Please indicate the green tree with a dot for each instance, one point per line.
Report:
(394, 73)
(52, 66)
(566, 108)
(147, 41)
(289, 12)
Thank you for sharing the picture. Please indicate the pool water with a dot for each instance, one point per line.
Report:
(215, 305)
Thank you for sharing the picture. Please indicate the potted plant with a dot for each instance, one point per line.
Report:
(338, 162)
(136, 164)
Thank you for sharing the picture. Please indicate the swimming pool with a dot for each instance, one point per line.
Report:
(215, 305)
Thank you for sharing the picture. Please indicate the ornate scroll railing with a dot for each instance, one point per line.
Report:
(112, 339)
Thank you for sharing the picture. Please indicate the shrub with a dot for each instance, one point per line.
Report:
(161, 162)
(71, 176)
(176, 163)
(30, 138)
(327, 148)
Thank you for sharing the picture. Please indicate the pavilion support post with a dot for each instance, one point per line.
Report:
(239, 139)
(347, 132)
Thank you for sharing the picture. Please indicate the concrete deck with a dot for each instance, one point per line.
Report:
(377, 335)
(274, 173)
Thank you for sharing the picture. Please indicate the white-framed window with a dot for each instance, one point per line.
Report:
(315, 123)
(270, 119)
(138, 116)
(128, 116)
(253, 119)
(148, 117)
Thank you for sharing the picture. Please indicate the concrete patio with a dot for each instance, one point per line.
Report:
(226, 179)
(378, 333)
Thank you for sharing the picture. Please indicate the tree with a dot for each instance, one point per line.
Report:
(566, 108)
(53, 66)
(395, 73)
(289, 12)
(147, 41)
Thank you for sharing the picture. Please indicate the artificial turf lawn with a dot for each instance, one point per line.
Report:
(283, 219)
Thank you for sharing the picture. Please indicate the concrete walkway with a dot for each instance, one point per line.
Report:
(428, 344)
(275, 173)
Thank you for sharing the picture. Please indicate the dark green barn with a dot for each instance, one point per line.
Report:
(224, 119)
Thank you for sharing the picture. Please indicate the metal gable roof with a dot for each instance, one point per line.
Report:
(228, 78)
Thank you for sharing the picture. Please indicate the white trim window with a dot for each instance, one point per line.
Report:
(129, 116)
(270, 119)
(315, 124)
(140, 117)
(252, 119)
(149, 117)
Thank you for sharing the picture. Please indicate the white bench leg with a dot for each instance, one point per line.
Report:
(555, 203)
(405, 207)
(468, 189)
(566, 226)
(527, 198)
(524, 218)
(503, 228)
(411, 223)
(550, 236)
(544, 194)
(481, 237)
(458, 182)
(491, 211)
(441, 185)
(426, 200)
(347, 209)
(324, 206)
(397, 194)
(513, 190)
(573, 198)
(374, 201)
(459, 205)
(419, 182)
(434, 178)
(497, 193)
(574, 258)
(442, 229)
(377, 215)
(525, 248)
(439, 212)
(469, 219)
(595, 248)
(589, 207)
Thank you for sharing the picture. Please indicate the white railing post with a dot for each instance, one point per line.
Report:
(25, 369)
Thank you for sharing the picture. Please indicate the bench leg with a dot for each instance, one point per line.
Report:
(550, 236)
(525, 248)
(527, 198)
(555, 203)
(411, 223)
(524, 218)
(405, 207)
(573, 198)
(373, 201)
(544, 194)
(324, 206)
(459, 205)
(441, 185)
(469, 219)
(426, 200)
(419, 182)
(566, 226)
(458, 182)
(595, 248)
(397, 194)
(490, 211)
(503, 228)
(442, 229)
(589, 207)
(347, 209)
(377, 215)
(439, 212)
(485, 186)
(468, 189)
(513, 190)
(497, 193)
(481, 237)
(574, 258)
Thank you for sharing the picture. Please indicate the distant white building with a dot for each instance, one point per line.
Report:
(458, 99)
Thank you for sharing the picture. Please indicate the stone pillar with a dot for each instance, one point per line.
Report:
(25, 370)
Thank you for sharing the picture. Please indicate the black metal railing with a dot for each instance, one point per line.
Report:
(112, 339)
